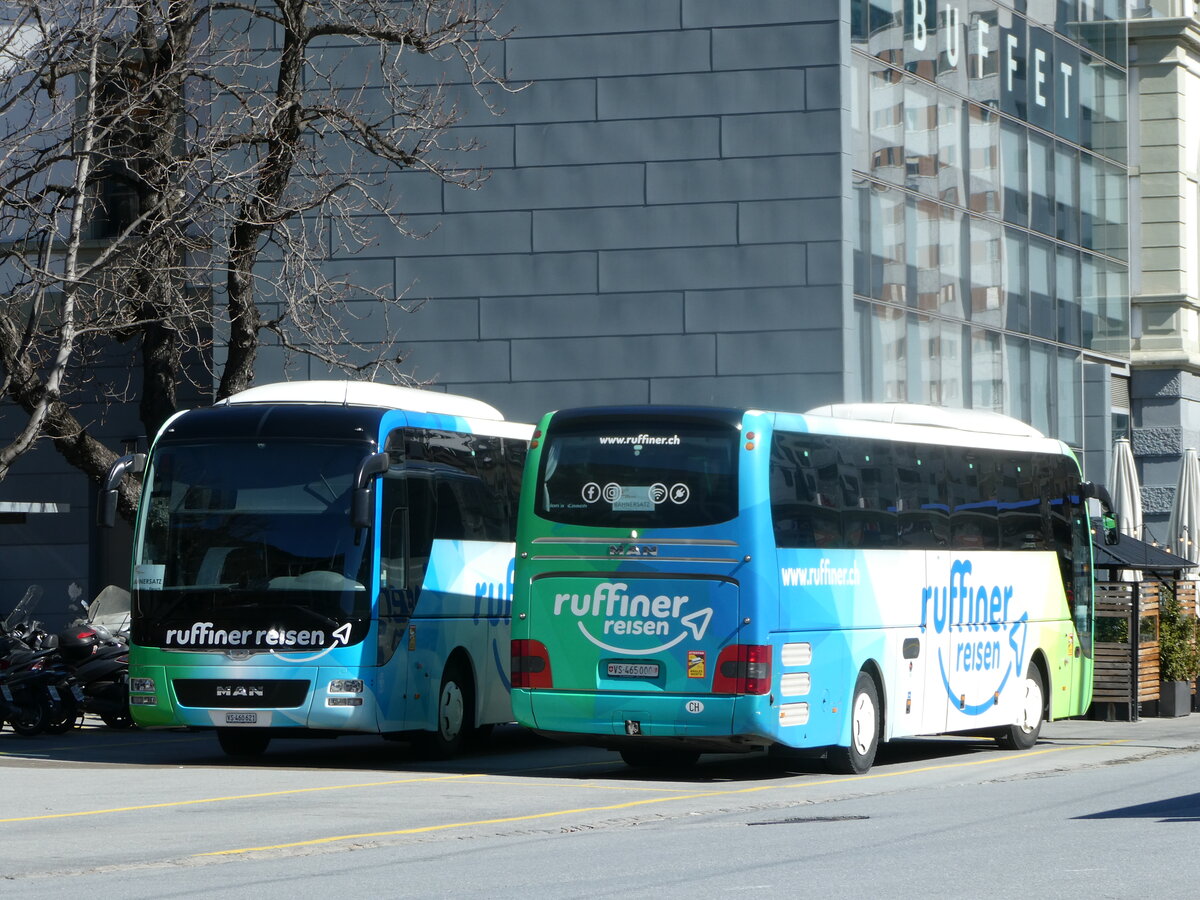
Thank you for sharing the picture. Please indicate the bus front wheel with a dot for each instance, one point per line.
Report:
(243, 742)
(455, 715)
(1024, 734)
(864, 731)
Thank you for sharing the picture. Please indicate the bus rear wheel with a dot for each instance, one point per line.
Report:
(243, 742)
(864, 731)
(455, 715)
(1024, 734)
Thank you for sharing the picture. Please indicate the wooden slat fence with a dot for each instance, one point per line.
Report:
(1127, 615)
(1126, 629)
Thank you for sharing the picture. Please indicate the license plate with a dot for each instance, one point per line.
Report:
(53, 693)
(6, 692)
(241, 718)
(633, 670)
(77, 692)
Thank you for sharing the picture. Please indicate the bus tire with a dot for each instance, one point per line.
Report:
(659, 758)
(455, 715)
(1024, 735)
(864, 731)
(243, 742)
(118, 721)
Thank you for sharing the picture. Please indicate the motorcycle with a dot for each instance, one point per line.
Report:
(99, 672)
(49, 681)
(35, 691)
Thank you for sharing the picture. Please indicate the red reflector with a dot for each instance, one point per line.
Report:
(84, 635)
(743, 669)
(530, 665)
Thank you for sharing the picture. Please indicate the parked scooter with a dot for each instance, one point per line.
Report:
(35, 691)
(102, 666)
(99, 672)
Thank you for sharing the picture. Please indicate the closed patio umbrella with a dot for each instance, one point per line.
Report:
(1184, 525)
(1125, 490)
(1126, 494)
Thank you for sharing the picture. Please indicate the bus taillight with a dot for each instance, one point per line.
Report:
(530, 665)
(743, 669)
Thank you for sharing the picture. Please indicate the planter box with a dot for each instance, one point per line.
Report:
(1175, 699)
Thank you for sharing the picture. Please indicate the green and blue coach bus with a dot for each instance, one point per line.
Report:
(327, 557)
(693, 580)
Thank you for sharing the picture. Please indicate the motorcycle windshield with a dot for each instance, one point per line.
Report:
(248, 544)
(110, 610)
(24, 608)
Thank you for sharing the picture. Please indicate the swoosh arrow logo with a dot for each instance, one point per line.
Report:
(696, 622)
(340, 635)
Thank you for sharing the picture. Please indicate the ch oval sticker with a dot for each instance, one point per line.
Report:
(694, 706)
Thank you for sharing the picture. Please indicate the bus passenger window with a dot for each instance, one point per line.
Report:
(806, 491)
(974, 524)
(924, 511)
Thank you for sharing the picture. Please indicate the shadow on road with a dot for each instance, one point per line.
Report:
(1185, 808)
(510, 750)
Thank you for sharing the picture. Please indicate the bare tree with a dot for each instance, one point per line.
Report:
(174, 172)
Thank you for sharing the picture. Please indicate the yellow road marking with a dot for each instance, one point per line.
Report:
(312, 790)
(673, 794)
(425, 829)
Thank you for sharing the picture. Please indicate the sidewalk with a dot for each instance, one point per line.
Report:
(1149, 734)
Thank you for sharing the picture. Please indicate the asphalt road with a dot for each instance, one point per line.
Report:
(1098, 809)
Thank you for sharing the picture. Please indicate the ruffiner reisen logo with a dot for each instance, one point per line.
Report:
(609, 613)
(980, 657)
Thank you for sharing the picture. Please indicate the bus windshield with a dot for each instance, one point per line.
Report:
(252, 523)
(639, 473)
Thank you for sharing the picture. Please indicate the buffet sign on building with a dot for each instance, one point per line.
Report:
(993, 55)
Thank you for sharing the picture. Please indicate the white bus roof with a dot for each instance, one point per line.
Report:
(975, 420)
(366, 393)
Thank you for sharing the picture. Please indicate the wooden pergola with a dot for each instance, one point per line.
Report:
(1127, 613)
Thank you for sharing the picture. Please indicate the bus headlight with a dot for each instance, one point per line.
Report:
(141, 686)
(346, 686)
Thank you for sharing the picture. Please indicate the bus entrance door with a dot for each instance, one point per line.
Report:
(933, 649)
(642, 651)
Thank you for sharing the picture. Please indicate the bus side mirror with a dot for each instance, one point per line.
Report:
(1112, 527)
(360, 502)
(130, 462)
(1111, 521)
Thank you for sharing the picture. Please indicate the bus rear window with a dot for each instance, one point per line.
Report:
(639, 474)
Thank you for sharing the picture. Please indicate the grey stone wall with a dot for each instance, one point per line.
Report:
(1166, 405)
(663, 222)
